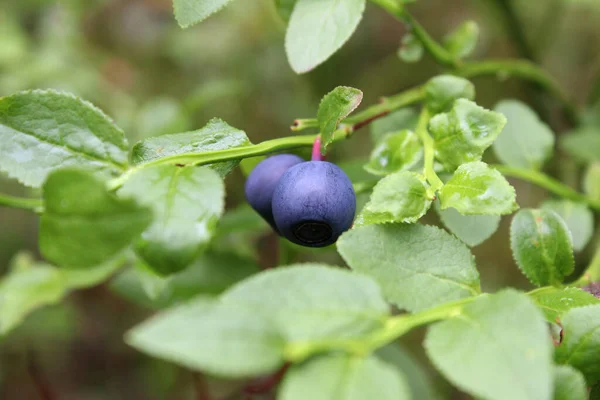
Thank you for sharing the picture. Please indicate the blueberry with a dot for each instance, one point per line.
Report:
(262, 181)
(314, 203)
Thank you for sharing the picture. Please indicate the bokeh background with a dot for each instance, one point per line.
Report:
(131, 59)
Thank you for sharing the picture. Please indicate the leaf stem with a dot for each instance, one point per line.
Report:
(428, 152)
(548, 183)
(20, 202)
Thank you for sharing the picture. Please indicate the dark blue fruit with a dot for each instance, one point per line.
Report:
(262, 181)
(314, 203)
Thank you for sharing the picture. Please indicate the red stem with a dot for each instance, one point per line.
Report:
(316, 150)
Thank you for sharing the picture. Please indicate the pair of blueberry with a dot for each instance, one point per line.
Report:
(311, 203)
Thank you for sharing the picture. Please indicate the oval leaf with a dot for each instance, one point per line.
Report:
(190, 12)
(578, 217)
(395, 152)
(463, 40)
(403, 119)
(569, 384)
(583, 144)
(555, 302)
(441, 92)
(411, 49)
(335, 106)
(471, 229)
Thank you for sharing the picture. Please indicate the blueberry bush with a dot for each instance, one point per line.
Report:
(150, 219)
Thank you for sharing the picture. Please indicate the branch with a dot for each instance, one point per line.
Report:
(20, 202)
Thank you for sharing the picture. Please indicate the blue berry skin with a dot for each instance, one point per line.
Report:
(262, 181)
(314, 203)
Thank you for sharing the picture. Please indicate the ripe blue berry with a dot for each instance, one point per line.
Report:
(262, 181)
(314, 203)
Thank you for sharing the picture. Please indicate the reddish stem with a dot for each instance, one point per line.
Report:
(265, 384)
(316, 150)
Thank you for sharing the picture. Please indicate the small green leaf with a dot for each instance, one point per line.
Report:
(403, 119)
(554, 302)
(397, 151)
(578, 217)
(569, 384)
(211, 337)
(411, 49)
(463, 40)
(417, 266)
(335, 106)
(343, 377)
(399, 197)
(464, 133)
(580, 346)
(84, 224)
(542, 247)
(583, 144)
(442, 91)
(471, 229)
(43, 130)
(216, 135)
(317, 29)
(187, 203)
(505, 329)
(526, 141)
(591, 181)
(190, 12)
(285, 8)
(475, 188)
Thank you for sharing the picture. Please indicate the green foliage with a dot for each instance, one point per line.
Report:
(411, 49)
(580, 346)
(555, 302)
(285, 8)
(318, 29)
(190, 12)
(394, 152)
(506, 328)
(582, 144)
(471, 229)
(84, 224)
(399, 197)
(464, 133)
(405, 259)
(187, 203)
(335, 106)
(569, 384)
(542, 246)
(475, 188)
(442, 91)
(463, 40)
(343, 377)
(526, 141)
(43, 130)
(591, 181)
(577, 216)
(403, 119)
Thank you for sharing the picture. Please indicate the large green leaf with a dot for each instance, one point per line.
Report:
(505, 329)
(399, 197)
(569, 384)
(526, 141)
(554, 302)
(190, 12)
(334, 107)
(394, 152)
(216, 135)
(84, 224)
(187, 203)
(475, 188)
(542, 247)
(441, 92)
(43, 130)
(471, 229)
(464, 133)
(580, 346)
(583, 144)
(317, 29)
(343, 377)
(578, 217)
(417, 266)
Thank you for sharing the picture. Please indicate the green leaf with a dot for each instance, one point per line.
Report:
(569, 384)
(554, 302)
(218, 339)
(335, 106)
(417, 266)
(397, 151)
(84, 224)
(43, 130)
(542, 247)
(463, 40)
(580, 346)
(216, 135)
(317, 29)
(526, 141)
(298, 299)
(595, 392)
(403, 119)
(505, 329)
(187, 203)
(471, 229)
(442, 91)
(190, 12)
(475, 188)
(464, 133)
(591, 181)
(583, 144)
(578, 217)
(399, 197)
(343, 377)
(411, 49)
(285, 8)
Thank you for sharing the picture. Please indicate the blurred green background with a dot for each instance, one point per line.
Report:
(131, 59)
